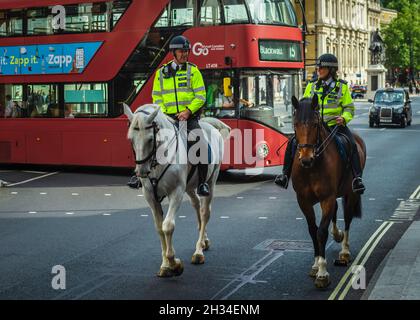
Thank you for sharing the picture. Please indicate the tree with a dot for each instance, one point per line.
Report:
(401, 38)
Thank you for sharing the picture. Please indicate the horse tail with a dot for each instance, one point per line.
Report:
(352, 204)
(223, 128)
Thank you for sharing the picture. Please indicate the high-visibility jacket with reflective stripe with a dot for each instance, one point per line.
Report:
(175, 93)
(338, 101)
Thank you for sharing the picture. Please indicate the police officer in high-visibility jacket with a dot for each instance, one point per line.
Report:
(338, 110)
(179, 90)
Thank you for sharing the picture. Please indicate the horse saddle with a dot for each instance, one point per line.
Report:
(344, 147)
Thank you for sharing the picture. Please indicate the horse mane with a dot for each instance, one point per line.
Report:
(306, 112)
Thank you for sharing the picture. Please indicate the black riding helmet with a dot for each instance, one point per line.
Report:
(179, 42)
(329, 61)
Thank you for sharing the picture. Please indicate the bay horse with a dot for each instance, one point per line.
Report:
(153, 135)
(319, 175)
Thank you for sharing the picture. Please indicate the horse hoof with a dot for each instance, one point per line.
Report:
(345, 257)
(339, 237)
(322, 282)
(206, 245)
(166, 272)
(197, 259)
(313, 272)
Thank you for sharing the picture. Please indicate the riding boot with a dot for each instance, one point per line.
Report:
(282, 179)
(134, 182)
(203, 188)
(357, 184)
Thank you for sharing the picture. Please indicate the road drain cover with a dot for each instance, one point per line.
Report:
(285, 245)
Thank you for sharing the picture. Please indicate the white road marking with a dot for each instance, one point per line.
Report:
(74, 194)
(400, 199)
(415, 194)
(379, 220)
(224, 217)
(262, 218)
(239, 197)
(43, 193)
(372, 199)
(340, 219)
(182, 217)
(106, 214)
(69, 213)
(382, 129)
(33, 179)
(13, 192)
(299, 218)
(108, 194)
(32, 212)
(37, 172)
(139, 195)
(272, 198)
(144, 215)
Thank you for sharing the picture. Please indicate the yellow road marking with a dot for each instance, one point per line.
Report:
(347, 288)
(356, 261)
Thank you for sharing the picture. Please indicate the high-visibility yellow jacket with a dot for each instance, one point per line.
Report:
(338, 102)
(176, 91)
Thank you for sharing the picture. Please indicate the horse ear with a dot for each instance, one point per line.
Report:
(154, 114)
(315, 103)
(295, 102)
(127, 112)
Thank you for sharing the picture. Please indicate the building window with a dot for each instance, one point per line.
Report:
(235, 11)
(210, 13)
(86, 100)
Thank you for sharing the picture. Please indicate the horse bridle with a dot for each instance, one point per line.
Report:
(152, 154)
(319, 147)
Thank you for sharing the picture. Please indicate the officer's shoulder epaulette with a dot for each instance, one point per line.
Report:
(343, 81)
(192, 64)
(312, 81)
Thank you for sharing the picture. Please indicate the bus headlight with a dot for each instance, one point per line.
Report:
(262, 150)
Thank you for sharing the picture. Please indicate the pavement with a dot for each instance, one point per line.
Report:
(399, 277)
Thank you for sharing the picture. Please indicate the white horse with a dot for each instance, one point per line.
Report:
(173, 178)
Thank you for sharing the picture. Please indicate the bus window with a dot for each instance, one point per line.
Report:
(266, 97)
(86, 100)
(11, 23)
(11, 101)
(217, 103)
(272, 12)
(39, 21)
(235, 11)
(210, 13)
(182, 13)
(42, 101)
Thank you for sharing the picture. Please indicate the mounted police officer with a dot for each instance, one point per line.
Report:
(179, 90)
(337, 110)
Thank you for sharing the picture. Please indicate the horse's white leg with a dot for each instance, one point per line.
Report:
(195, 202)
(198, 257)
(345, 254)
(158, 218)
(175, 265)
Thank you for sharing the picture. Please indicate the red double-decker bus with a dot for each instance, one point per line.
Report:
(67, 66)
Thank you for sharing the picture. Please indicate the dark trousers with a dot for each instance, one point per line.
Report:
(192, 123)
(344, 130)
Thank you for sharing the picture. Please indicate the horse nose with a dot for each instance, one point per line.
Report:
(307, 162)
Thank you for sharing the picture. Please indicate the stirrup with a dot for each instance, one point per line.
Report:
(203, 190)
(360, 188)
(282, 180)
(134, 183)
